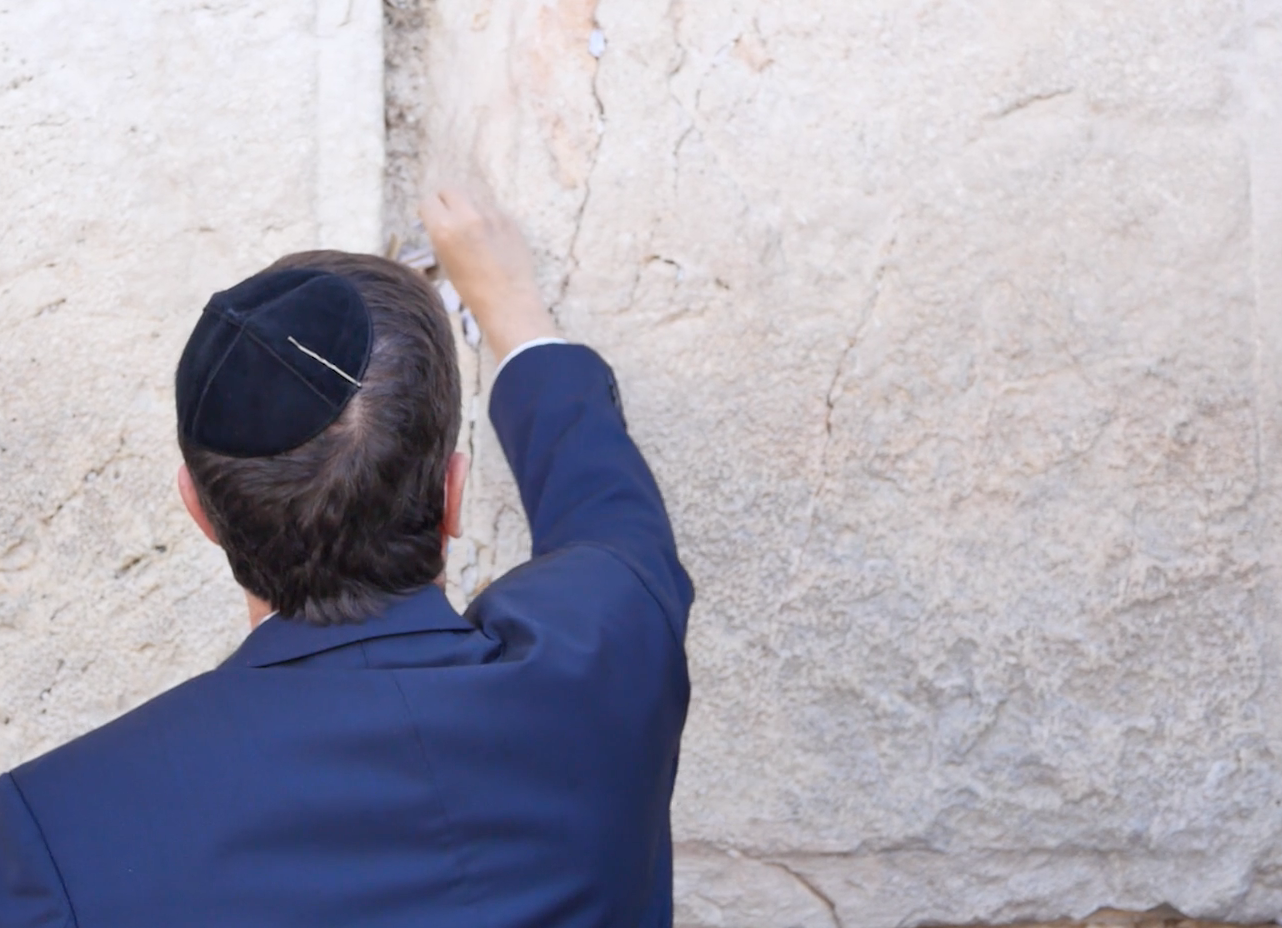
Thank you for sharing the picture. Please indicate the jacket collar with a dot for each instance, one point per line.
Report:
(279, 639)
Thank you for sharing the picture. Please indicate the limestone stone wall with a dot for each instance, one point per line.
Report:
(150, 153)
(953, 332)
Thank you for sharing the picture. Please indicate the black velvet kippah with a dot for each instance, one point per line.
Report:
(272, 363)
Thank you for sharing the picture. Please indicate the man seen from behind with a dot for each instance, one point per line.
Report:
(369, 756)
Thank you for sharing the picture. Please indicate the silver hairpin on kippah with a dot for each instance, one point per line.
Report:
(333, 367)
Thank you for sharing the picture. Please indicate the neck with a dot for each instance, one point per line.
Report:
(258, 609)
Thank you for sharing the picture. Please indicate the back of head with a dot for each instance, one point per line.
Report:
(330, 530)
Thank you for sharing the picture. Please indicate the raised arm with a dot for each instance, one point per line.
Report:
(556, 408)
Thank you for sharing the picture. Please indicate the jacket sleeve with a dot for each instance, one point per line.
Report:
(582, 479)
(31, 890)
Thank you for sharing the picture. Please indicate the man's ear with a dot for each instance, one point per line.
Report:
(455, 478)
(187, 490)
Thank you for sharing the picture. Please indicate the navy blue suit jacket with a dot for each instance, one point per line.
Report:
(510, 766)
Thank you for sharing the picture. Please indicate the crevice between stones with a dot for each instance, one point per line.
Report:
(405, 35)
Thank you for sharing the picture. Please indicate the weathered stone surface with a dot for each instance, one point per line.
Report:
(954, 332)
(716, 889)
(947, 328)
(149, 154)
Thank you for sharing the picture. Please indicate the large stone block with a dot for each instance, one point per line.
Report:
(948, 329)
(152, 153)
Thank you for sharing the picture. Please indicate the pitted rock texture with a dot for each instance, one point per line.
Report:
(150, 154)
(953, 332)
(949, 331)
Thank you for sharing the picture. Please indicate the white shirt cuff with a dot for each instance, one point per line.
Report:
(532, 343)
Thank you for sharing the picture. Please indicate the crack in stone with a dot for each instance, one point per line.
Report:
(810, 888)
(92, 473)
(830, 400)
(572, 252)
(766, 859)
(1032, 100)
(648, 261)
(692, 115)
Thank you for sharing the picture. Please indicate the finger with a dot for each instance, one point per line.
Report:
(434, 212)
(460, 203)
